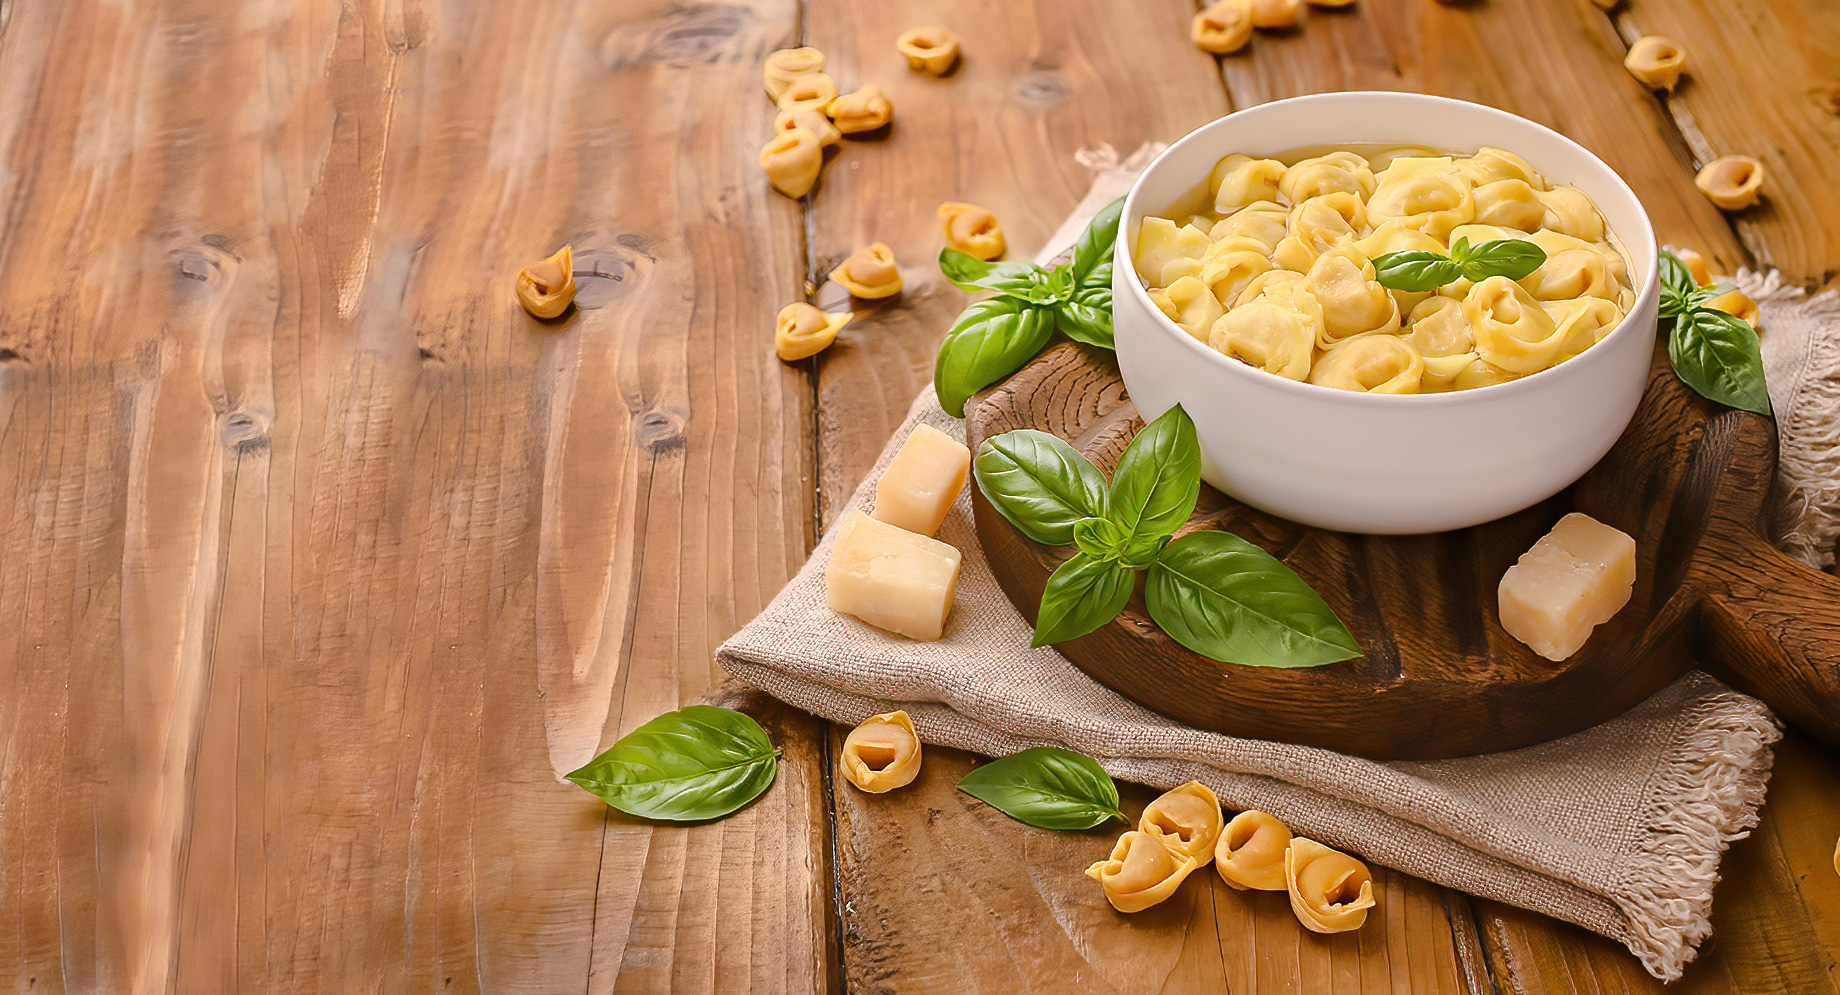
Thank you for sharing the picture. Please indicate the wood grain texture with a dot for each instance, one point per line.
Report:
(1558, 62)
(327, 560)
(1762, 80)
(1775, 927)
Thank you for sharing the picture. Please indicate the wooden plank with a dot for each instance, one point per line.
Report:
(1775, 925)
(1558, 62)
(327, 560)
(1763, 80)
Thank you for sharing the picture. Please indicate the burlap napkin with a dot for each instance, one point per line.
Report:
(1619, 828)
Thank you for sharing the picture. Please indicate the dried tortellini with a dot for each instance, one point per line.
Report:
(1141, 871)
(801, 331)
(932, 48)
(813, 121)
(1330, 891)
(881, 754)
(788, 64)
(1187, 819)
(1276, 13)
(1250, 852)
(869, 272)
(972, 229)
(862, 110)
(792, 161)
(1656, 62)
(811, 92)
(1270, 260)
(546, 288)
(1733, 182)
(1225, 26)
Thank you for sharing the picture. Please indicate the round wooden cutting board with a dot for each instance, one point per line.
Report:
(1440, 677)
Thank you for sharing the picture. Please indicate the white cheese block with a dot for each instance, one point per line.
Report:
(1574, 579)
(891, 578)
(922, 481)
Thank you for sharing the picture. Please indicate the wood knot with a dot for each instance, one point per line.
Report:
(660, 430)
(1826, 97)
(688, 35)
(604, 275)
(1043, 88)
(244, 427)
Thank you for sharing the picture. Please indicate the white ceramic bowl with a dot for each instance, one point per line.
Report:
(1386, 463)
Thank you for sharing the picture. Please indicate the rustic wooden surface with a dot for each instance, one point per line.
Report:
(321, 561)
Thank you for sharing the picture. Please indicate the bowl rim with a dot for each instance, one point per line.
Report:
(1125, 265)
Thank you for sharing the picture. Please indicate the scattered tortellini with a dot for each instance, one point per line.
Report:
(881, 754)
(547, 288)
(801, 331)
(869, 272)
(1330, 891)
(1225, 26)
(1276, 13)
(788, 64)
(792, 160)
(1141, 871)
(862, 110)
(814, 116)
(1733, 182)
(972, 229)
(932, 48)
(1270, 260)
(1250, 852)
(1187, 819)
(1656, 62)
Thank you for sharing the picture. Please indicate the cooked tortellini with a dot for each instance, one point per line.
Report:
(1141, 871)
(1330, 891)
(1250, 852)
(1187, 819)
(1270, 260)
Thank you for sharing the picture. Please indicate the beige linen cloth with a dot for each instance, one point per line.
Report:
(1619, 828)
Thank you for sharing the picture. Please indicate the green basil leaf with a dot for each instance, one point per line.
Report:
(1718, 355)
(1158, 479)
(1039, 483)
(1231, 601)
(968, 272)
(1087, 318)
(1460, 252)
(990, 340)
(1513, 258)
(1415, 270)
(1061, 283)
(1675, 275)
(1099, 538)
(1046, 787)
(1674, 303)
(1701, 295)
(1099, 276)
(699, 762)
(1096, 241)
(1140, 552)
(1082, 594)
(961, 267)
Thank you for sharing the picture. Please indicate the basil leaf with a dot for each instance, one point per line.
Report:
(968, 272)
(990, 340)
(1096, 241)
(1046, 787)
(1099, 539)
(1158, 479)
(1718, 355)
(1415, 270)
(1460, 252)
(1231, 601)
(1674, 304)
(1042, 485)
(1087, 318)
(1513, 258)
(1099, 276)
(1675, 275)
(1701, 295)
(1141, 552)
(1082, 594)
(699, 762)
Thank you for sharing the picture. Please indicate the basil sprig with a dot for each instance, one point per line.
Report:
(699, 762)
(1210, 591)
(1419, 270)
(1047, 787)
(995, 337)
(1715, 353)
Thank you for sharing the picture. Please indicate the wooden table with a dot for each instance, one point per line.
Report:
(322, 560)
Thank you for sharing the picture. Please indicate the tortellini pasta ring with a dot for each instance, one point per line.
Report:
(811, 92)
(864, 109)
(812, 121)
(1335, 172)
(788, 64)
(1656, 62)
(1330, 891)
(546, 288)
(1270, 334)
(1187, 819)
(882, 753)
(972, 229)
(870, 272)
(1733, 182)
(1341, 280)
(1140, 872)
(1250, 852)
(933, 48)
(1241, 181)
(801, 331)
(1224, 27)
(1512, 330)
(1276, 13)
(1509, 204)
(792, 160)
(1370, 364)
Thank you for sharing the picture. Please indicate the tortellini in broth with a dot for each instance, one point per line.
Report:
(1269, 260)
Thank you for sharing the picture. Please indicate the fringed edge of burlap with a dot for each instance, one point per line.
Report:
(1808, 427)
(1705, 795)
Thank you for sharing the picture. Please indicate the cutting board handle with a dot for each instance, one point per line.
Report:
(1773, 624)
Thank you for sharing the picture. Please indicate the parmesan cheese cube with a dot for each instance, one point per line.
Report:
(891, 578)
(1574, 579)
(922, 481)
